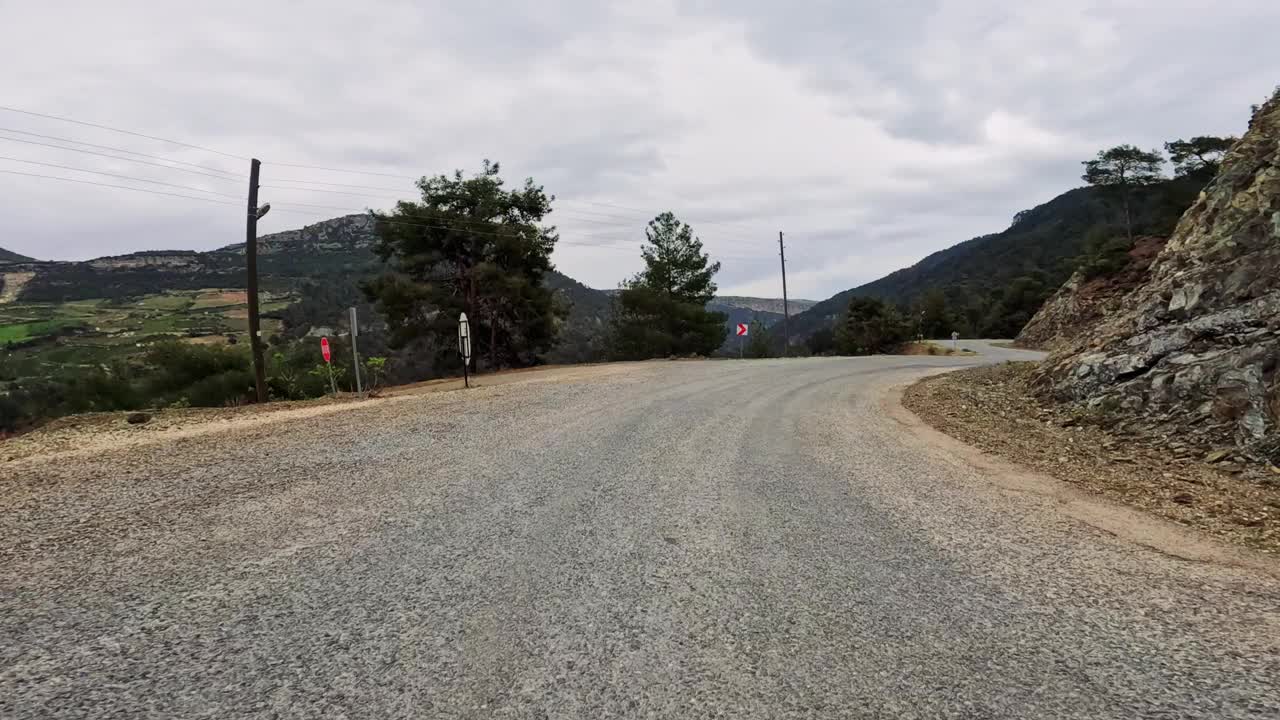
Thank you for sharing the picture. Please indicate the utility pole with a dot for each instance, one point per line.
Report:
(251, 265)
(786, 311)
(355, 354)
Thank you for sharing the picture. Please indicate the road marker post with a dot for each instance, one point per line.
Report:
(464, 347)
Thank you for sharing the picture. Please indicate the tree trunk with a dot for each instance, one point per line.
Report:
(493, 342)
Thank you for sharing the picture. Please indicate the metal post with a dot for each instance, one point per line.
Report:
(251, 266)
(355, 354)
(332, 385)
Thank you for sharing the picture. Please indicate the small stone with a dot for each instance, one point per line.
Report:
(1183, 498)
(137, 418)
(1217, 455)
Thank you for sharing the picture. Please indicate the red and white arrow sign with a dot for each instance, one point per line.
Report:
(324, 348)
(742, 329)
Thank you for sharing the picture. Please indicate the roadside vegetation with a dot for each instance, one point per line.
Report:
(993, 285)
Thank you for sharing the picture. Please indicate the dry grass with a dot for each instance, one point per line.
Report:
(928, 348)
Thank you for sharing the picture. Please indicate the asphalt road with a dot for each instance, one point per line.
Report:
(736, 539)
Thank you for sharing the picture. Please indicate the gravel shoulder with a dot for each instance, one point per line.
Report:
(991, 409)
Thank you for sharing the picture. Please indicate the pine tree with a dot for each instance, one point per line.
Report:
(469, 246)
(1123, 168)
(662, 311)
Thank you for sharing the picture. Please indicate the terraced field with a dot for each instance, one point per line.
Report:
(37, 337)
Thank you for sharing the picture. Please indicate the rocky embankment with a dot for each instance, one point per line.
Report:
(1192, 352)
(1083, 302)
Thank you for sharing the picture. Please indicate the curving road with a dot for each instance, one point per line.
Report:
(736, 539)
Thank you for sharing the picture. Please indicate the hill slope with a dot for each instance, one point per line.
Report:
(7, 256)
(320, 266)
(1040, 245)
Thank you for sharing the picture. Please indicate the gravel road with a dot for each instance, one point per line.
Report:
(736, 539)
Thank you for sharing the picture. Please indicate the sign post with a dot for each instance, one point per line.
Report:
(954, 337)
(464, 347)
(355, 355)
(324, 350)
(743, 329)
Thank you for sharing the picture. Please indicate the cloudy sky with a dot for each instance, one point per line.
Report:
(872, 133)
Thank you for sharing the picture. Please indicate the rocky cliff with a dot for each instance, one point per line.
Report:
(1193, 350)
(1083, 302)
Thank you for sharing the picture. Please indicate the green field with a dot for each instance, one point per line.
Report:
(38, 338)
(23, 331)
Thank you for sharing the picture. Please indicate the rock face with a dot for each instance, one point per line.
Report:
(1082, 303)
(1193, 350)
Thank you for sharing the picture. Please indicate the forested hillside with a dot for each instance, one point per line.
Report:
(993, 284)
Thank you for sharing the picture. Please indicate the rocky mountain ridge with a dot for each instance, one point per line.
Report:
(1194, 350)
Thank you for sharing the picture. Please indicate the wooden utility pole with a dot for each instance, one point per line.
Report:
(251, 265)
(786, 311)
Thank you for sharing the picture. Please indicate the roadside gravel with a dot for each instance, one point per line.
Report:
(662, 540)
(991, 408)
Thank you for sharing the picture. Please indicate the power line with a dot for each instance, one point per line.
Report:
(288, 210)
(638, 212)
(447, 224)
(119, 187)
(340, 170)
(193, 146)
(115, 175)
(354, 210)
(122, 150)
(123, 132)
(115, 157)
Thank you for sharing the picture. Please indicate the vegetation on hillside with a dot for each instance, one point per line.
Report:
(992, 285)
(11, 256)
(662, 311)
(469, 246)
(869, 327)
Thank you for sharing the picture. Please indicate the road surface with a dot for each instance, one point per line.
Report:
(736, 539)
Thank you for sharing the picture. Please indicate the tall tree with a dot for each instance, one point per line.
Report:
(469, 245)
(662, 311)
(1201, 155)
(934, 322)
(1122, 168)
(758, 342)
(870, 326)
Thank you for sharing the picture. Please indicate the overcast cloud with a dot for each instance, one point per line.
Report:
(872, 133)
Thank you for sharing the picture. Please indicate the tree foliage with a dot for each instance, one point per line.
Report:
(871, 326)
(1123, 168)
(469, 245)
(1201, 155)
(662, 310)
(759, 344)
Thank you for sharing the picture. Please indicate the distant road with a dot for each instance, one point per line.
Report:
(738, 539)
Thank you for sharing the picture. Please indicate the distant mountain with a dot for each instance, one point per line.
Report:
(764, 305)
(321, 264)
(11, 256)
(1040, 246)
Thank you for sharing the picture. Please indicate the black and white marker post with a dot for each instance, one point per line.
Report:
(464, 347)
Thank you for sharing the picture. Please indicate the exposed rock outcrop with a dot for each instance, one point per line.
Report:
(1081, 303)
(1193, 350)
